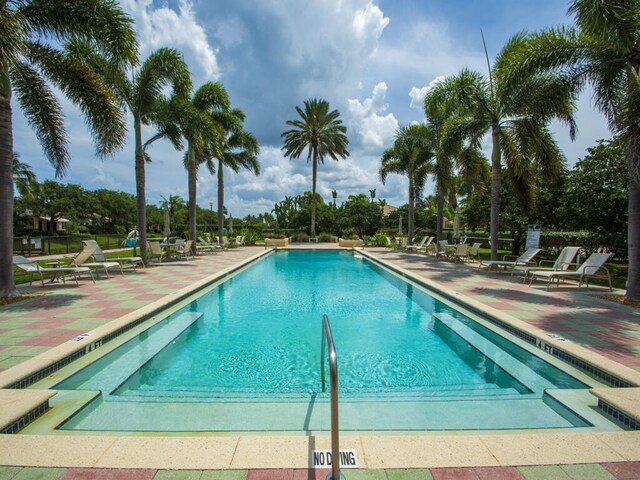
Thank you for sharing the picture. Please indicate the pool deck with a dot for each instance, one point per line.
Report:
(35, 332)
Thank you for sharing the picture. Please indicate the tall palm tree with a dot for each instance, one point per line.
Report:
(452, 149)
(142, 93)
(321, 133)
(30, 63)
(603, 49)
(411, 155)
(517, 115)
(236, 149)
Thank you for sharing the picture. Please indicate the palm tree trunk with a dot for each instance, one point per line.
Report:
(193, 175)
(220, 201)
(141, 200)
(7, 287)
(633, 232)
(412, 200)
(440, 210)
(313, 193)
(495, 193)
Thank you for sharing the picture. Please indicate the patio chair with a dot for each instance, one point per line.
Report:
(474, 250)
(155, 250)
(99, 255)
(183, 249)
(32, 268)
(525, 259)
(442, 249)
(461, 253)
(240, 241)
(418, 246)
(592, 267)
(82, 260)
(561, 263)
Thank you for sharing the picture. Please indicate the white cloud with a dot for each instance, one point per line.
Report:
(375, 130)
(368, 24)
(165, 27)
(418, 94)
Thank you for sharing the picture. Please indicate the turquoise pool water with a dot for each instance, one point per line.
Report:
(246, 355)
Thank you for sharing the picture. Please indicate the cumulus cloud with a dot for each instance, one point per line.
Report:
(374, 130)
(165, 27)
(418, 94)
(368, 24)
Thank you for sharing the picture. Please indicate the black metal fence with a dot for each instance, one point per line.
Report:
(56, 245)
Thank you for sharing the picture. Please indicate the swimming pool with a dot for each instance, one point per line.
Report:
(245, 357)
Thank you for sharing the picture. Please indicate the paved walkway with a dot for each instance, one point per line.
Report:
(33, 326)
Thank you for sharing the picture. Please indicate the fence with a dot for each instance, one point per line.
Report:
(31, 246)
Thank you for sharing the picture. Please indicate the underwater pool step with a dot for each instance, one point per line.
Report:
(314, 415)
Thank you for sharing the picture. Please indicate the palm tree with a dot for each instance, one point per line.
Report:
(411, 155)
(517, 115)
(30, 63)
(236, 149)
(603, 50)
(321, 133)
(334, 194)
(372, 194)
(24, 178)
(452, 150)
(143, 95)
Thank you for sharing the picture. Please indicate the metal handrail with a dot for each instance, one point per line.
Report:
(333, 372)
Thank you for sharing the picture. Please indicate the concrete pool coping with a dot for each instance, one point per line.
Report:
(430, 449)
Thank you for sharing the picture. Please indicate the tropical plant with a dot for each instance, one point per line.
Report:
(517, 115)
(321, 133)
(603, 50)
(453, 151)
(142, 92)
(236, 148)
(411, 155)
(30, 63)
(334, 194)
(24, 178)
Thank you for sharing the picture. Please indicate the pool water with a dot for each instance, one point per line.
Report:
(246, 356)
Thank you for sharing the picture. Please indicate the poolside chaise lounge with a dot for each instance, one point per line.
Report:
(418, 246)
(99, 256)
(28, 266)
(82, 260)
(525, 259)
(204, 246)
(592, 267)
(474, 250)
(561, 263)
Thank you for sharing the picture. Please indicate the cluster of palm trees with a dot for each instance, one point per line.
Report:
(88, 50)
(535, 79)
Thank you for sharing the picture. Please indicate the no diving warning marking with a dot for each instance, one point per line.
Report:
(323, 459)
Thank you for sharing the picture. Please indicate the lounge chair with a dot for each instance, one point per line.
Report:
(561, 263)
(99, 255)
(525, 259)
(418, 246)
(28, 266)
(82, 260)
(592, 267)
(205, 246)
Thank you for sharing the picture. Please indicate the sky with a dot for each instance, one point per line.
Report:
(371, 60)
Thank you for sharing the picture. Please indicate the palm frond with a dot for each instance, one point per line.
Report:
(43, 112)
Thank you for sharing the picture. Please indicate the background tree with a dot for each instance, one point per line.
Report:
(603, 50)
(142, 92)
(30, 63)
(517, 115)
(24, 178)
(411, 155)
(360, 214)
(321, 133)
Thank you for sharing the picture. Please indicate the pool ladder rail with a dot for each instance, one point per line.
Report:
(327, 339)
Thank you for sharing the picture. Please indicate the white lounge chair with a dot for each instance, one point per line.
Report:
(418, 246)
(99, 256)
(592, 267)
(475, 248)
(204, 246)
(561, 263)
(525, 259)
(82, 260)
(28, 266)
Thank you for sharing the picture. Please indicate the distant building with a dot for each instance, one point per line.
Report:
(35, 222)
(388, 210)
